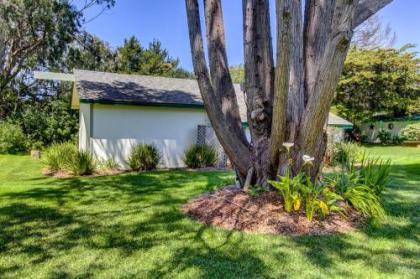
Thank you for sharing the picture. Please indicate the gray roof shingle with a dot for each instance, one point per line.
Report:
(137, 89)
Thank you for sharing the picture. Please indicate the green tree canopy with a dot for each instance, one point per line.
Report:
(132, 58)
(379, 81)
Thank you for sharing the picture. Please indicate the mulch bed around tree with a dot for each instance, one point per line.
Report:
(231, 208)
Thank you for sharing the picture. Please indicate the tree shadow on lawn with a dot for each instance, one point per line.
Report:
(127, 213)
(134, 213)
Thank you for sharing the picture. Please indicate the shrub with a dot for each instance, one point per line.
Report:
(374, 173)
(347, 152)
(349, 185)
(411, 132)
(200, 155)
(364, 200)
(12, 138)
(51, 122)
(144, 157)
(81, 163)
(385, 137)
(58, 156)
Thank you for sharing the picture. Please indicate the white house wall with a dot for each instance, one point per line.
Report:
(84, 126)
(117, 128)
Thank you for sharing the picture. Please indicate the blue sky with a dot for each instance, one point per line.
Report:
(166, 20)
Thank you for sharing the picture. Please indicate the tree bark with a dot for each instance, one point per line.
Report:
(286, 102)
(258, 85)
(219, 98)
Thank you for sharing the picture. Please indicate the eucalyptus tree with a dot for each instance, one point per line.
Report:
(287, 101)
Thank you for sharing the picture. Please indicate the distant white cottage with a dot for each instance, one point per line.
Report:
(118, 111)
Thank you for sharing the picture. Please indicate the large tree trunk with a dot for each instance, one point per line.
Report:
(286, 102)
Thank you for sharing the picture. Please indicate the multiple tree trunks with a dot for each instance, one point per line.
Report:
(286, 102)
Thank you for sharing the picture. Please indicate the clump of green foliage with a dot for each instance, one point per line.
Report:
(81, 163)
(385, 137)
(359, 182)
(374, 172)
(200, 156)
(58, 156)
(66, 157)
(411, 132)
(12, 138)
(346, 152)
(144, 157)
(349, 185)
(300, 192)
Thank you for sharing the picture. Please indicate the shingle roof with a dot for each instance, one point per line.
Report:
(136, 89)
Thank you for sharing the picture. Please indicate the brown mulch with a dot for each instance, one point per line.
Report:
(231, 208)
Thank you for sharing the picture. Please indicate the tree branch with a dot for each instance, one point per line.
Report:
(323, 82)
(367, 8)
(282, 74)
(219, 99)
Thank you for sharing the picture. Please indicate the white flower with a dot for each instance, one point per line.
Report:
(288, 145)
(307, 159)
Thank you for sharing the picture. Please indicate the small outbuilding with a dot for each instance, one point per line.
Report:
(118, 111)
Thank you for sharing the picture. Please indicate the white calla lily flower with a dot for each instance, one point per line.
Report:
(307, 159)
(288, 144)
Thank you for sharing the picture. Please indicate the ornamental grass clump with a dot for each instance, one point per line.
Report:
(345, 153)
(66, 157)
(200, 156)
(81, 163)
(144, 157)
(58, 156)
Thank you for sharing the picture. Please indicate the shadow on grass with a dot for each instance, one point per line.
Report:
(127, 213)
(134, 213)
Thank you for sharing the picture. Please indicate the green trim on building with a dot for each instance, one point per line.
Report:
(343, 126)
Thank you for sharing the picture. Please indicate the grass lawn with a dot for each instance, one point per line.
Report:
(130, 226)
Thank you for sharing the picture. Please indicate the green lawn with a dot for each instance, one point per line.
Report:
(130, 226)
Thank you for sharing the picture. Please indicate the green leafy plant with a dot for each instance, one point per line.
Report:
(385, 137)
(319, 199)
(411, 132)
(374, 173)
(200, 155)
(12, 138)
(347, 153)
(58, 156)
(289, 190)
(300, 191)
(349, 185)
(81, 163)
(144, 157)
(364, 200)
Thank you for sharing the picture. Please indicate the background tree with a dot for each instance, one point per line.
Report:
(237, 73)
(287, 102)
(132, 58)
(378, 81)
(89, 52)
